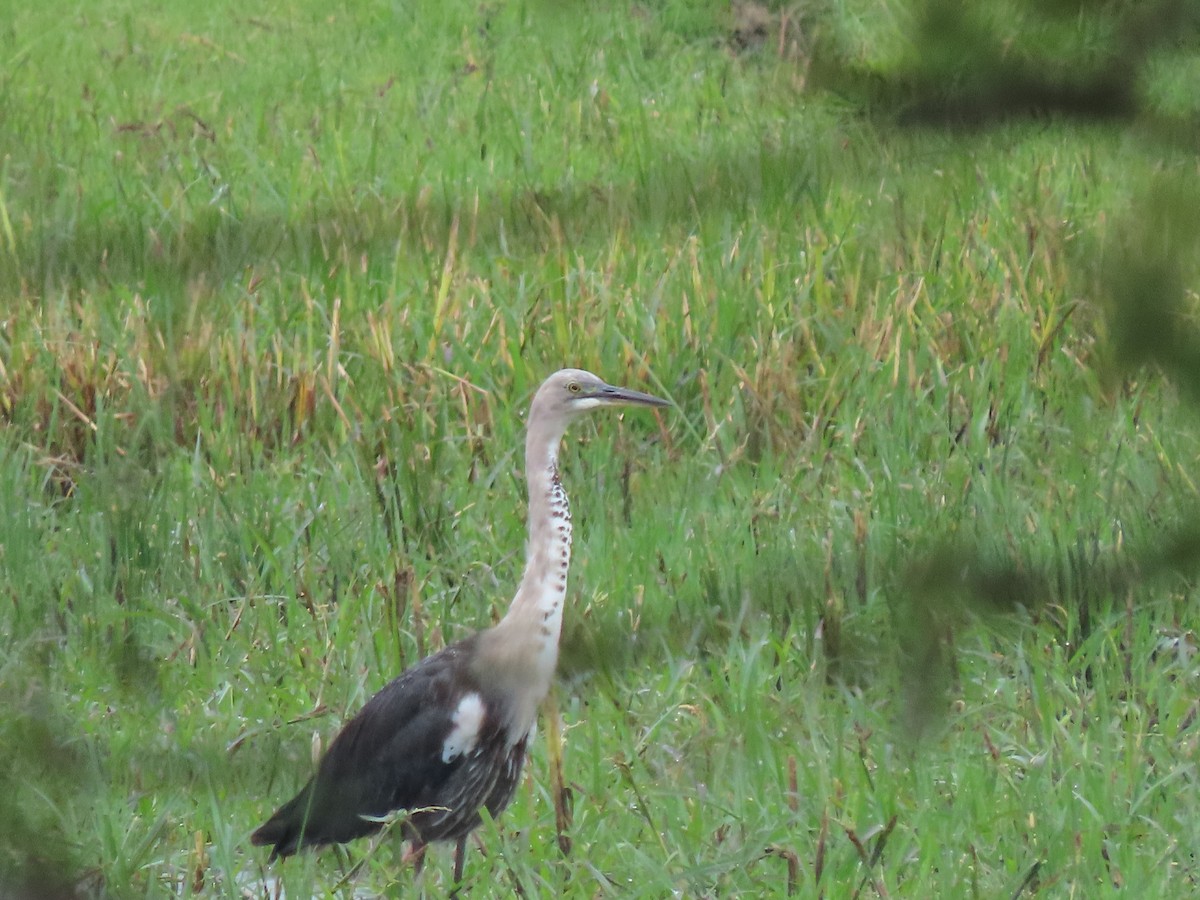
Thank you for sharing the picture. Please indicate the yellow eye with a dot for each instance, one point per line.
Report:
(574, 387)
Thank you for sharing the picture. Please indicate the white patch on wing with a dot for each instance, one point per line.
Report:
(468, 720)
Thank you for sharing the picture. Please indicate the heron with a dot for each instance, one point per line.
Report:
(448, 737)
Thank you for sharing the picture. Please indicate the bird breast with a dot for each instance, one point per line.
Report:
(517, 664)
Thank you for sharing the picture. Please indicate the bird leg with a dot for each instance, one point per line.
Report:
(415, 855)
(460, 857)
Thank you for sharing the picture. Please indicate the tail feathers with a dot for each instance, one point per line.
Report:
(285, 838)
(314, 817)
(286, 829)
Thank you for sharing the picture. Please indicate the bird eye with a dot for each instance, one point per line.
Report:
(574, 387)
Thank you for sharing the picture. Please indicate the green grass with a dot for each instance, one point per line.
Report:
(278, 283)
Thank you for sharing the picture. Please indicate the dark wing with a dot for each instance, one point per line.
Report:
(388, 757)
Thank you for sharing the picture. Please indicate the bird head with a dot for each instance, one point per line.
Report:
(569, 393)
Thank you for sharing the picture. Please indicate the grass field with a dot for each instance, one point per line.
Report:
(896, 601)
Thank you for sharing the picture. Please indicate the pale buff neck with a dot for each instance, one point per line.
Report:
(521, 652)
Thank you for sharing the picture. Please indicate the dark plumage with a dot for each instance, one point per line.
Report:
(389, 757)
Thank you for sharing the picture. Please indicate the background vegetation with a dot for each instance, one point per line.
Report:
(898, 600)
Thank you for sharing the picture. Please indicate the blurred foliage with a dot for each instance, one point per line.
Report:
(1150, 274)
(974, 63)
(1086, 583)
(35, 858)
(979, 64)
(1146, 279)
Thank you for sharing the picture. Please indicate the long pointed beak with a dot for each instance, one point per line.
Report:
(619, 396)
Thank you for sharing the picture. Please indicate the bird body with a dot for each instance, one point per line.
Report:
(431, 742)
(448, 737)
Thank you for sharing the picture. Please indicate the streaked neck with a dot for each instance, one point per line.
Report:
(538, 604)
(519, 655)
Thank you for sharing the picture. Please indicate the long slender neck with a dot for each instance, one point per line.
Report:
(538, 603)
(521, 652)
